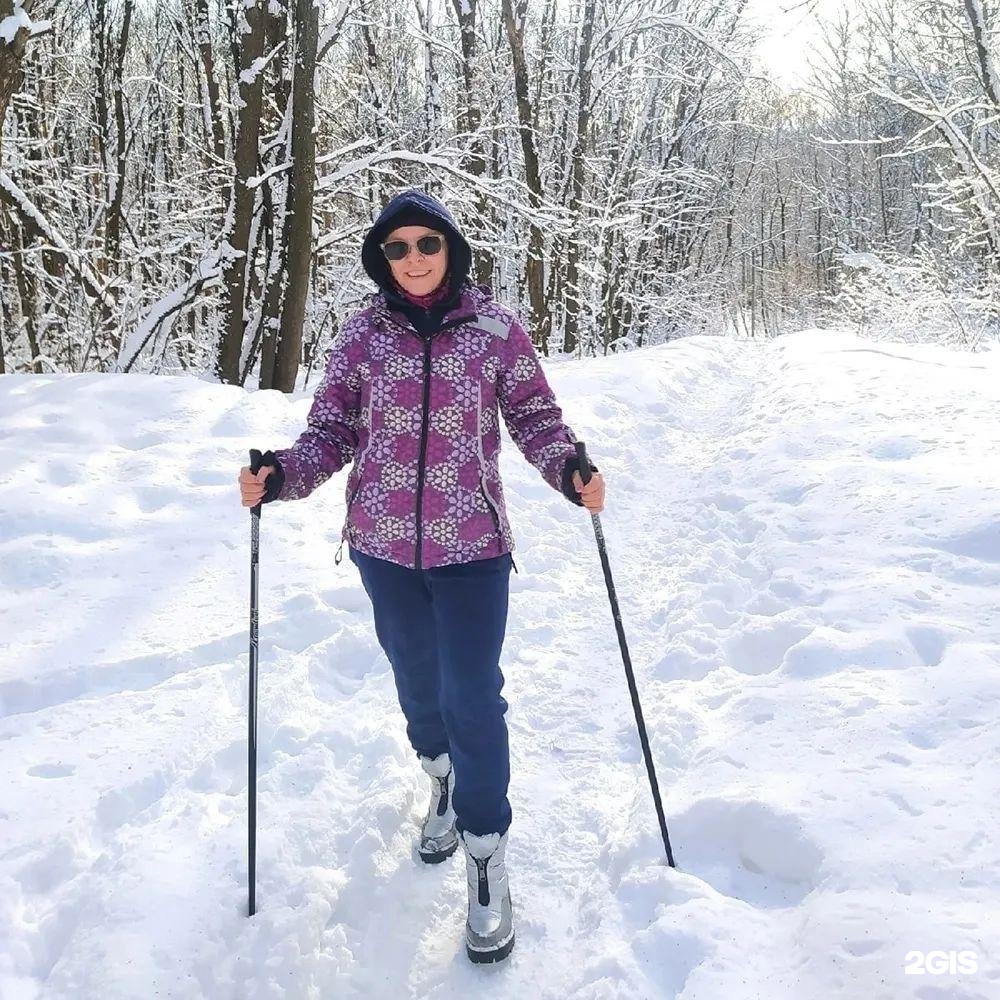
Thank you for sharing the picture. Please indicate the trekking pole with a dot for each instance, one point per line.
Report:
(255, 463)
(585, 475)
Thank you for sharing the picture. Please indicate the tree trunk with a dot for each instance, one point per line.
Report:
(11, 76)
(29, 309)
(534, 266)
(571, 333)
(988, 69)
(432, 84)
(469, 121)
(213, 113)
(299, 217)
(235, 236)
(274, 206)
(115, 210)
(111, 124)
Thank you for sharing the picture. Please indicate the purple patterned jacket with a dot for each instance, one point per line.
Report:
(419, 418)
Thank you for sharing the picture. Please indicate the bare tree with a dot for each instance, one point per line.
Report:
(514, 21)
(11, 54)
(235, 240)
(299, 218)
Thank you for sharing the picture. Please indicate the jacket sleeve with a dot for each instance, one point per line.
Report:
(530, 410)
(330, 439)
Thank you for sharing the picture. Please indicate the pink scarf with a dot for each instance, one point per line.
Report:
(425, 301)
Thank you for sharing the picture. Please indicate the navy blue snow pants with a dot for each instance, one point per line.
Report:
(442, 630)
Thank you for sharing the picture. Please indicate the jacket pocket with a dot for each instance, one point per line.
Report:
(361, 471)
(483, 486)
(489, 500)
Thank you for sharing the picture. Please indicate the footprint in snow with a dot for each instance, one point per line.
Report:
(119, 806)
(51, 770)
(748, 850)
(760, 647)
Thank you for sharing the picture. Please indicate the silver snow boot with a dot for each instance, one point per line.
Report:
(438, 838)
(489, 931)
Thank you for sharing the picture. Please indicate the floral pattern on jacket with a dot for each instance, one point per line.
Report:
(419, 419)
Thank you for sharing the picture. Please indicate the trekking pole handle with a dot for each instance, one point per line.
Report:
(581, 454)
(256, 461)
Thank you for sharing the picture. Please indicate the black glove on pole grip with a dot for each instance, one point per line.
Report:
(255, 464)
(581, 454)
(585, 475)
(256, 460)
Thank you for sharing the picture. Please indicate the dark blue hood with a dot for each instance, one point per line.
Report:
(407, 203)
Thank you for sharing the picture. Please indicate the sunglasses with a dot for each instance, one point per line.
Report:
(426, 245)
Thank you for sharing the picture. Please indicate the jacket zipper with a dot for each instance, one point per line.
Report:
(421, 465)
(424, 428)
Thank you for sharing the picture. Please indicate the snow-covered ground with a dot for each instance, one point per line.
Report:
(805, 541)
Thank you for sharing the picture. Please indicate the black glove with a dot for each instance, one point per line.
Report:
(573, 465)
(275, 480)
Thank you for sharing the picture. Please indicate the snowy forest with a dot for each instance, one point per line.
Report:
(184, 184)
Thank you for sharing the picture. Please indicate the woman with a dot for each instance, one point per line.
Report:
(411, 391)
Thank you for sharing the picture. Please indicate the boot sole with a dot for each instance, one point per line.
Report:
(487, 957)
(436, 857)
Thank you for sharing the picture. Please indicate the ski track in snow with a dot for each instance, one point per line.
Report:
(805, 541)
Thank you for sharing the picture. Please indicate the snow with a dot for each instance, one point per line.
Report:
(861, 259)
(248, 76)
(330, 33)
(13, 23)
(805, 542)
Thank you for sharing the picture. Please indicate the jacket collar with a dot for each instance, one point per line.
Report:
(466, 307)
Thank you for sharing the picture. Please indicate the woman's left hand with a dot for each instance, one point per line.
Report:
(592, 494)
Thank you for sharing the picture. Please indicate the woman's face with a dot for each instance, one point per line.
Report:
(415, 273)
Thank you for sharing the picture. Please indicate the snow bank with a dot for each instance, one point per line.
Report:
(805, 541)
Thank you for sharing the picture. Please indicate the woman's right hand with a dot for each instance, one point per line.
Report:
(252, 487)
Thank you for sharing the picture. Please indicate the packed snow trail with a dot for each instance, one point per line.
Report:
(805, 542)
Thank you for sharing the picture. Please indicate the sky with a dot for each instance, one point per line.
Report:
(791, 32)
